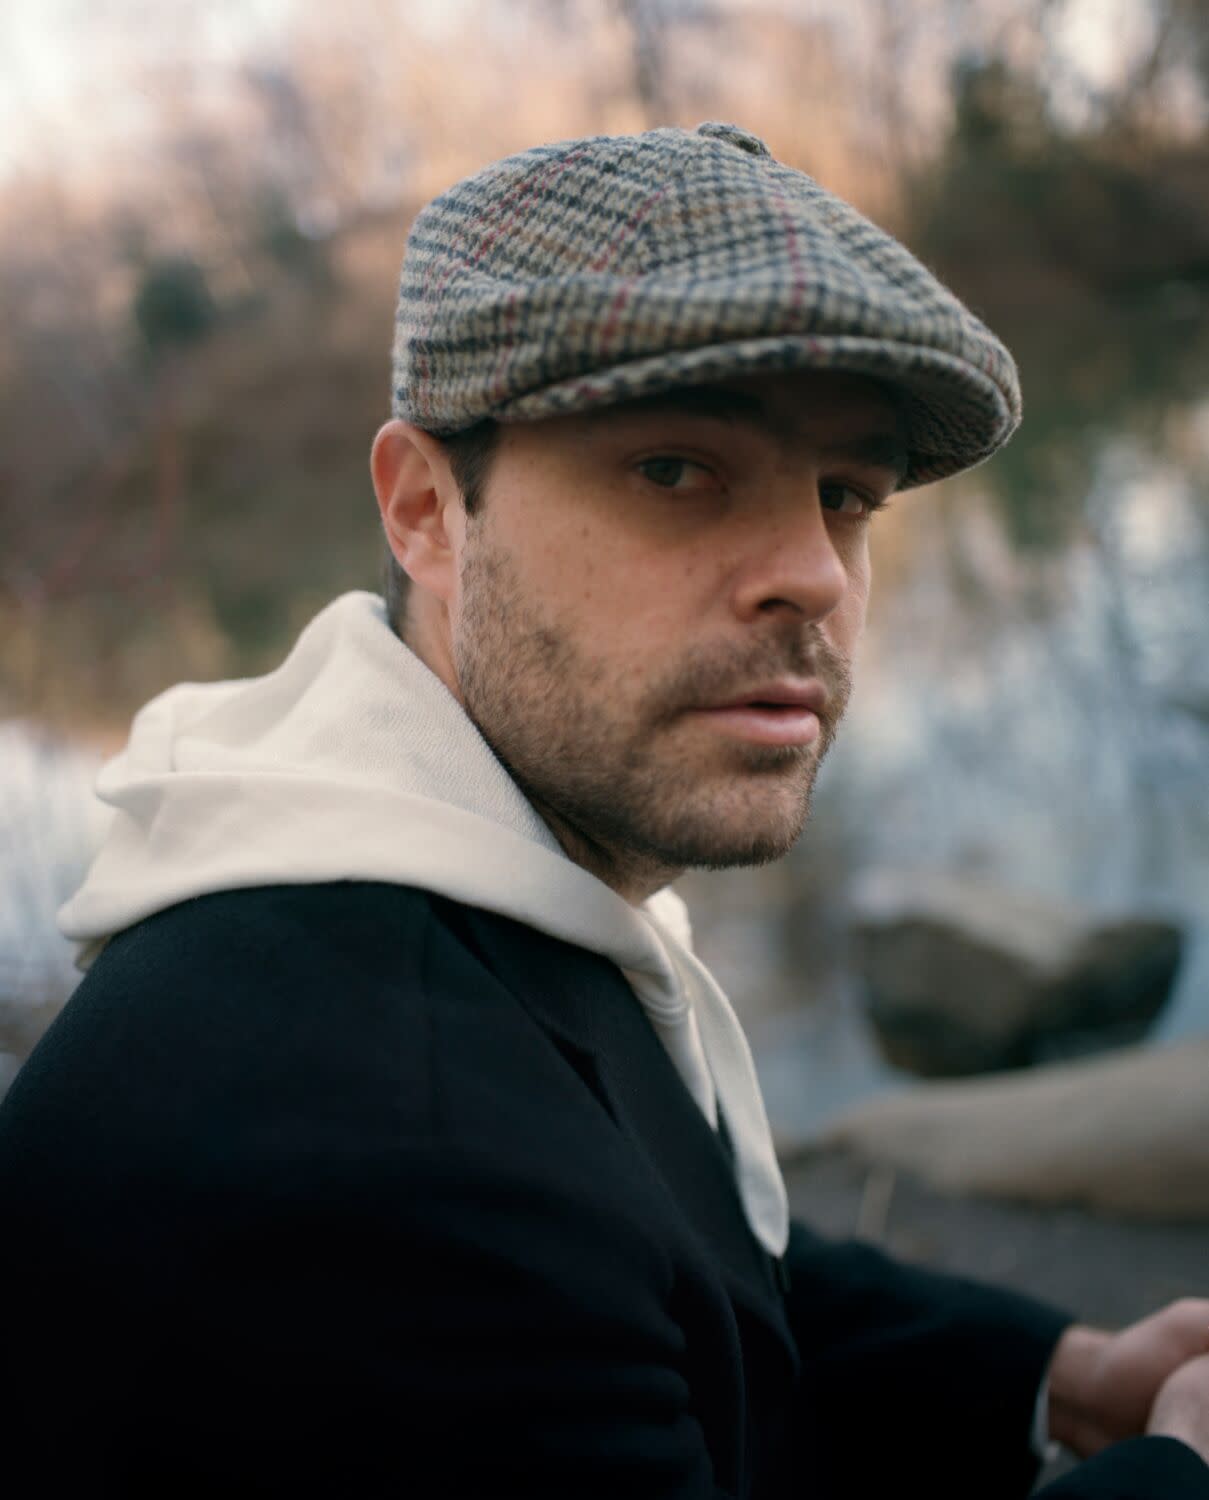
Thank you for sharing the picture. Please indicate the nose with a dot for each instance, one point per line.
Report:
(790, 563)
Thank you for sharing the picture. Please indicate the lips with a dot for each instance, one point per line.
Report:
(785, 712)
(805, 693)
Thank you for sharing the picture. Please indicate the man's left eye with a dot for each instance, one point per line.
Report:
(672, 473)
(846, 500)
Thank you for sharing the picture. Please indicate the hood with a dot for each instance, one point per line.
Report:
(353, 761)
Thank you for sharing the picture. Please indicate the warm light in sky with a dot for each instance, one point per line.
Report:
(1103, 35)
(66, 65)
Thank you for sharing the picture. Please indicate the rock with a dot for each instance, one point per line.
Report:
(1126, 1134)
(961, 976)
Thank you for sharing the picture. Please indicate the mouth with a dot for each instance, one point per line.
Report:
(778, 713)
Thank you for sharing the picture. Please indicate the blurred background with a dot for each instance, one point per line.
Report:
(202, 214)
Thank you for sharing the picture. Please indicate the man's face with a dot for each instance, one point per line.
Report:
(653, 598)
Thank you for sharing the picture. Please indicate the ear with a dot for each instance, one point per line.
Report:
(421, 505)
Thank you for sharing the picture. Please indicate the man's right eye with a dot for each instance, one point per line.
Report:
(672, 473)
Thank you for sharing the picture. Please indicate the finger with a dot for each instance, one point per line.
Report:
(1187, 1321)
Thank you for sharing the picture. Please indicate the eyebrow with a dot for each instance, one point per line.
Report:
(701, 401)
(881, 450)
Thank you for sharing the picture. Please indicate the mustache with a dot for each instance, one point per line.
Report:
(728, 671)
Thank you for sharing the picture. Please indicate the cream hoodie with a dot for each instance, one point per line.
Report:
(352, 761)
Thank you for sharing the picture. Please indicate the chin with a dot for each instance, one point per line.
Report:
(717, 843)
(752, 851)
(746, 821)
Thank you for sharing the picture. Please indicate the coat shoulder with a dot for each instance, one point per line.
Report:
(303, 1143)
(305, 1016)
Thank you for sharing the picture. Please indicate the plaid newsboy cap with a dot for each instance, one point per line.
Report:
(580, 274)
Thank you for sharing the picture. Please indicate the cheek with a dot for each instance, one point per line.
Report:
(619, 589)
(848, 618)
(658, 603)
(622, 591)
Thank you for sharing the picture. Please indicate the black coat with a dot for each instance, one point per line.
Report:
(349, 1190)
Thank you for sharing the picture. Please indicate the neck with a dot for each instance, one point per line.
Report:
(423, 636)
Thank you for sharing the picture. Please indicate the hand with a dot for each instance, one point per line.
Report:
(1181, 1409)
(1103, 1385)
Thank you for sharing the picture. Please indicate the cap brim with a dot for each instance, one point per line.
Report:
(956, 416)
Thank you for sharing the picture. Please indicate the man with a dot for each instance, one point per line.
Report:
(396, 1141)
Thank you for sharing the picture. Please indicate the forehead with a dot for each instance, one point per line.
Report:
(819, 408)
(830, 411)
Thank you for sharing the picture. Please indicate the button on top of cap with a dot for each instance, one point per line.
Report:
(735, 136)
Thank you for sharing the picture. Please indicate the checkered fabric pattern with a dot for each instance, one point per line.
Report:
(580, 274)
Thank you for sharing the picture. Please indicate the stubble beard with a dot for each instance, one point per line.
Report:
(623, 775)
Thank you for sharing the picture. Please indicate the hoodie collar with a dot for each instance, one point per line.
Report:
(353, 761)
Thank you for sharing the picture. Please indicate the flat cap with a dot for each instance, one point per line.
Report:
(588, 272)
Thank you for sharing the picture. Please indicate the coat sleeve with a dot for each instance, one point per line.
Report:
(907, 1371)
(910, 1372)
(1135, 1470)
(488, 1336)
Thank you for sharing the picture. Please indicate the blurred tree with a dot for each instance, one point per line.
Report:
(654, 28)
(172, 304)
(1142, 105)
(648, 22)
(1091, 259)
(286, 168)
(296, 253)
